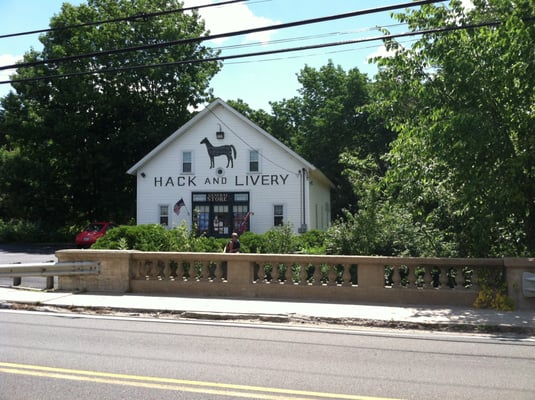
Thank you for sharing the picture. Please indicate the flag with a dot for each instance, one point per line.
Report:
(179, 204)
(243, 225)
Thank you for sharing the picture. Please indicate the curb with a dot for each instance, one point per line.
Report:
(294, 319)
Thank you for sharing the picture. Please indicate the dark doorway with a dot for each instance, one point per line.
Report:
(218, 214)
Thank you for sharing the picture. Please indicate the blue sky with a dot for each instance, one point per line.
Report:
(257, 80)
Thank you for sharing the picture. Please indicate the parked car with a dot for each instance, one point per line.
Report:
(92, 232)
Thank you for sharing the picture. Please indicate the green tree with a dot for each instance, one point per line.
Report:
(462, 103)
(324, 121)
(78, 135)
(259, 117)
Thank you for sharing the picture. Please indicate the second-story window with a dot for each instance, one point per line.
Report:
(186, 162)
(254, 165)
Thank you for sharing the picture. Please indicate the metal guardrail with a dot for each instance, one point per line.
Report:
(528, 284)
(49, 270)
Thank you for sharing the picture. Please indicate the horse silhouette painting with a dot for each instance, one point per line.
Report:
(216, 151)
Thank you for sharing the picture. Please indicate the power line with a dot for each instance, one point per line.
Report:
(262, 53)
(136, 17)
(224, 35)
(239, 137)
(303, 38)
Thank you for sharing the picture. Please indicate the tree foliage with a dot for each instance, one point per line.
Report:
(436, 157)
(69, 141)
(324, 121)
(462, 103)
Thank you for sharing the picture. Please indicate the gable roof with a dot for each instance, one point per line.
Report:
(206, 111)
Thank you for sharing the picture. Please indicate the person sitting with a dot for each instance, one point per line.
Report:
(233, 245)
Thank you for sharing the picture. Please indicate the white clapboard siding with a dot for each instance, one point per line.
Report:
(160, 180)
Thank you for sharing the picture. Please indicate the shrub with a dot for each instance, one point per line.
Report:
(152, 237)
(33, 232)
(280, 239)
(312, 242)
(493, 293)
(158, 238)
(251, 242)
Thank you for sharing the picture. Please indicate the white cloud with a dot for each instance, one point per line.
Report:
(7, 59)
(467, 4)
(380, 51)
(231, 18)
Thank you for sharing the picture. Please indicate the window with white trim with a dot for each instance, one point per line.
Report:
(278, 215)
(164, 215)
(187, 162)
(254, 164)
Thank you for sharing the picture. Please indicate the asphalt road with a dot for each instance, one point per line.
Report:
(11, 253)
(54, 356)
(29, 253)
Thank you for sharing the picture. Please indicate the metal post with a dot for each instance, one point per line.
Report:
(17, 281)
(50, 282)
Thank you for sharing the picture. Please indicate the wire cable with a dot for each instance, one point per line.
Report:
(224, 35)
(267, 52)
(260, 154)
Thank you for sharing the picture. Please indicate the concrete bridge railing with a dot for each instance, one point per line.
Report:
(340, 279)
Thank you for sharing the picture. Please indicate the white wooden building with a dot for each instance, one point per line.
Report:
(225, 173)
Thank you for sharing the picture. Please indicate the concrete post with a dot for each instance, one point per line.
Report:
(514, 269)
(114, 271)
(50, 282)
(369, 276)
(240, 272)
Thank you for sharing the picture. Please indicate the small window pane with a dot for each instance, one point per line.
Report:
(278, 214)
(221, 222)
(186, 161)
(241, 197)
(253, 161)
(203, 215)
(199, 197)
(164, 215)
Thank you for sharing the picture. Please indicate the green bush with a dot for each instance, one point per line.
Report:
(251, 242)
(158, 238)
(152, 237)
(155, 237)
(22, 231)
(280, 240)
(312, 242)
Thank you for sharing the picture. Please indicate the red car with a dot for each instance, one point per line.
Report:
(92, 232)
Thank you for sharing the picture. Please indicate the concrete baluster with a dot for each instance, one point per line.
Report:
(346, 274)
(147, 266)
(259, 273)
(165, 271)
(317, 275)
(332, 274)
(396, 276)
